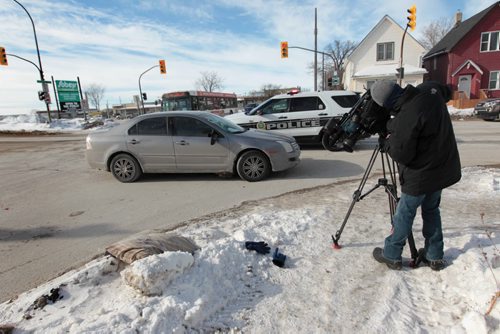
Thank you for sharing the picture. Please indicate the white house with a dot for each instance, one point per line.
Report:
(378, 56)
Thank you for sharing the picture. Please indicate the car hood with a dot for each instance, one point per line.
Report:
(261, 134)
(238, 117)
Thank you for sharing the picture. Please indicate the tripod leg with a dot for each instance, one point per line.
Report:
(413, 251)
(355, 198)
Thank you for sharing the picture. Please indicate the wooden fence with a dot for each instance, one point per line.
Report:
(461, 101)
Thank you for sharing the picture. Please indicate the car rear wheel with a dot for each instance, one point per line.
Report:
(253, 166)
(125, 168)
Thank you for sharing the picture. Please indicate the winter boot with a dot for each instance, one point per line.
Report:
(378, 254)
(434, 264)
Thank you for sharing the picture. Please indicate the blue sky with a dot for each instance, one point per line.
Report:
(112, 42)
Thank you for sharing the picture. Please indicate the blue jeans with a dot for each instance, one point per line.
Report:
(403, 222)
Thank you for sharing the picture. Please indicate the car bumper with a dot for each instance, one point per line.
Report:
(93, 159)
(487, 114)
(282, 162)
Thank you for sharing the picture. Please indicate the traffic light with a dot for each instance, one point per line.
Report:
(412, 18)
(284, 49)
(144, 96)
(3, 56)
(330, 82)
(163, 67)
(400, 72)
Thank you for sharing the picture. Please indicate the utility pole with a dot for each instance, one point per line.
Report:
(315, 49)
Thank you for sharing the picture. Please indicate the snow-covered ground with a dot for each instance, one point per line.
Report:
(226, 288)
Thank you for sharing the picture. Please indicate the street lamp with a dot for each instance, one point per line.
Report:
(42, 79)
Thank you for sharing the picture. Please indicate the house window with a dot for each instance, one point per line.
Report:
(494, 80)
(490, 41)
(385, 51)
(435, 62)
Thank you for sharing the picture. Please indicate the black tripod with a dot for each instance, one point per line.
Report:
(390, 189)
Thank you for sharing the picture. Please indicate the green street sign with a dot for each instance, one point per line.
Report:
(69, 95)
(67, 91)
(44, 81)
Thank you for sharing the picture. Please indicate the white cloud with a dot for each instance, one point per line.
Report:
(113, 47)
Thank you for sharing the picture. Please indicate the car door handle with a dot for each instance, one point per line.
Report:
(282, 117)
(133, 141)
(322, 114)
(182, 142)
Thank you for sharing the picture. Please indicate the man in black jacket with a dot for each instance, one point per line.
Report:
(421, 140)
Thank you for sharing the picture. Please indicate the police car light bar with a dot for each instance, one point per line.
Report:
(294, 91)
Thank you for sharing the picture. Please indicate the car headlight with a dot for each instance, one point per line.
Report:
(287, 146)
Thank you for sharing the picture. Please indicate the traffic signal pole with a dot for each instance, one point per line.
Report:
(42, 79)
(140, 88)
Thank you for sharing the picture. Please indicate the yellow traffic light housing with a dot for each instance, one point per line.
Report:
(3, 57)
(284, 49)
(412, 18)
(163, 67)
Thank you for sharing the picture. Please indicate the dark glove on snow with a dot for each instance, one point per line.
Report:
(260, 247)
(278, 258)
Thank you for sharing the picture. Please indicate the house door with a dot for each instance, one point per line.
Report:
(464, 84)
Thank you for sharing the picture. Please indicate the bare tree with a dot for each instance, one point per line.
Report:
(95, 94)
(269, 90)
(435, 31)
(339, 51)
(210, 82)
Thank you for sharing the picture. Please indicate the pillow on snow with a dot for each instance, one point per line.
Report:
(145, 244)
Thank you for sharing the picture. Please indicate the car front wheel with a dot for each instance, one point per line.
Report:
(253, 166)
(125, 168)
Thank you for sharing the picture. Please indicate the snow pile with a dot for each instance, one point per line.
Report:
(231, 289)
(34, 122)
(151, 274)
(460, 112)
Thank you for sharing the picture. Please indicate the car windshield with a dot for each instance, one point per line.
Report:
(223, 123)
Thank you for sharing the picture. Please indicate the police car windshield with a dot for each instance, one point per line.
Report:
(259, 108)
(345, 101)
(224, 124)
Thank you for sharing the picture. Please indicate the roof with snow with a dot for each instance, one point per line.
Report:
(387, 71)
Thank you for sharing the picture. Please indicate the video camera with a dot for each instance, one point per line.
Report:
(366, 118)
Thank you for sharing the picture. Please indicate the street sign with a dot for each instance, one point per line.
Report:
(44, 81)
(335, 80)
(69, 95)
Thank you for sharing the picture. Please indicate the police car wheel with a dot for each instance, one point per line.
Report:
(253, 166)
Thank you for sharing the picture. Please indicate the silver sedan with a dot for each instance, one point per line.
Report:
(188, 142)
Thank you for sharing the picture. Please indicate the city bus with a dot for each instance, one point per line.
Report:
(214, 102)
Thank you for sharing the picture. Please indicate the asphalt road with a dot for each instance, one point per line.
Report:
(56, 213)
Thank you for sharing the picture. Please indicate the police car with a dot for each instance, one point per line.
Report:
(298, 114)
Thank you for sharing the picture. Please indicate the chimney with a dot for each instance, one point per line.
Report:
(458, 18)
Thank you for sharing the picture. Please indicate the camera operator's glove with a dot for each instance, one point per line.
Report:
(260, 247)
(383, 144)
(279, 259)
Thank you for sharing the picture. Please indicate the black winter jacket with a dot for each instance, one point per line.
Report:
(422, 140)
